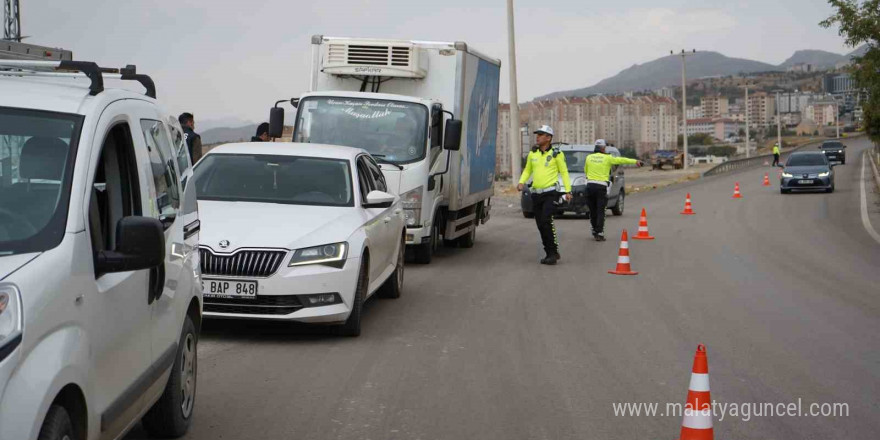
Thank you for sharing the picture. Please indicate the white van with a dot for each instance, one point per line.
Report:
(100, 299)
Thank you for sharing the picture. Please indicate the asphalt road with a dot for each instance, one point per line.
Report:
(486, 343)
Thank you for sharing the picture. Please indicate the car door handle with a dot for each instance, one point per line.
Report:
(397, 211)
(387, 219)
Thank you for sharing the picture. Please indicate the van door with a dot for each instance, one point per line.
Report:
(617, 180)
(172, 283)
(119, 307)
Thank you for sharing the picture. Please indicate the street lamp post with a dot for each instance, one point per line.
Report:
(684, 125)
(515, 138)
(748, 153)
(778, 123)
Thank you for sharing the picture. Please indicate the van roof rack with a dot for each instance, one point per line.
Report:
(90, 69)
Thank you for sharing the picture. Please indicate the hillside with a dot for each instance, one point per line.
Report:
(820, 59)
(666, 71)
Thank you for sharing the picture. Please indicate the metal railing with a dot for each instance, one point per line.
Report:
(739, 164)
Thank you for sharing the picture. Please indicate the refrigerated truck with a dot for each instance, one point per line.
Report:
(428, 113)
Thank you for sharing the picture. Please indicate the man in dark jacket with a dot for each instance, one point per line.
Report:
(193, 140)
(262, 133)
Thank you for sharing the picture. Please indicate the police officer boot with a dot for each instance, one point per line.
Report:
(599, 236)
(550, 259)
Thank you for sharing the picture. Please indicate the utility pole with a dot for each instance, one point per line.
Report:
(837, 117)
(11, 21)
(778, 123)
(515, 136)
(684, 134)
(748, 153)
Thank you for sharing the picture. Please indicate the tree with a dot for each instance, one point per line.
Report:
(741, 132)
(859, 23)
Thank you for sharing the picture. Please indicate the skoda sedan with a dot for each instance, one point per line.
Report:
(296, 232)
(807, 170)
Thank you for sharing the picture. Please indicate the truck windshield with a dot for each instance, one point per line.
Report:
(392, 130)
(36, 167)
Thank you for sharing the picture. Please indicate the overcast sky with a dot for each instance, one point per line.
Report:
(231, 60)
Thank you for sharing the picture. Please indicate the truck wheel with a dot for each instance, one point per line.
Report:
(424, 252)
(57, 425)
(467, 241)
(618, 208)
(171, 414)
(527, 214)
(352, 326)
(394, 284)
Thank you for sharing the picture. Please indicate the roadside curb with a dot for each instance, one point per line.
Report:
(873, 169)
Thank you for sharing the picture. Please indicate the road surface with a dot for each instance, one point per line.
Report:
(485, 343)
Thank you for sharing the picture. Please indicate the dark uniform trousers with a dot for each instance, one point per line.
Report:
(544, 206)
(775, 160)
(597, 200)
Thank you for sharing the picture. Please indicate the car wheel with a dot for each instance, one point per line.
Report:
(843, 161)
(618, 208)
(830, 190)
(170, 416)
(466, 241)
(528, 214)
(57, 425)
(352, 325)
(394, 284)
(784, 191)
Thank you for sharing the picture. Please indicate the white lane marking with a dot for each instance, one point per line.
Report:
(866, 221)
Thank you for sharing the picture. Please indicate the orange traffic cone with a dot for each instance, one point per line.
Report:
(623, 267)
(766, 179)
(687, 206)
(736, 194)
(643, 228)
(697, 423)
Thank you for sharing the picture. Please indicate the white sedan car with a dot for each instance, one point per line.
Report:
(296, 232)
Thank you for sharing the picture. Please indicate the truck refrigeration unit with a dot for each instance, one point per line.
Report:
(426, 111)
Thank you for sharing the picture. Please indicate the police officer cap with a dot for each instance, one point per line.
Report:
(600, 143)
(546, 129)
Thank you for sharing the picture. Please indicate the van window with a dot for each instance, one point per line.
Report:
(115, 192)
(37, 151)
(162, 159)
(181, 152)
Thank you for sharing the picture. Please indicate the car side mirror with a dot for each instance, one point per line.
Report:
(276, 122)
(140, 244)
(452, 135)
(379, 199)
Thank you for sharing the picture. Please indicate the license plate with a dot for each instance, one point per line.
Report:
(213, 288)
(805, 182)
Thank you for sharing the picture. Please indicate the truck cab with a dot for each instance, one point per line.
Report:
(426, 111)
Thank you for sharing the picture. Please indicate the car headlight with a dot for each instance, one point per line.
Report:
(825, 174)
(11, 320)
(327, 254)
(579, 181)
(411, 201)
(786, 175)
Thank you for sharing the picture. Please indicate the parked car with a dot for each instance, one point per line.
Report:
(834, 151)
(575, 156)
(100, 305)
(297, 232)
(807, 170)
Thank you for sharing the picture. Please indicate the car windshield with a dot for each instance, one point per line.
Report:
(36, 165)
(392, 130)
(806, 160)
(831, 145)
(576, 160)
(291, 180)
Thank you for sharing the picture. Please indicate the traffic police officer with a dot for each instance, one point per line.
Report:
(546, 165)
(597, 167)
(775, 154)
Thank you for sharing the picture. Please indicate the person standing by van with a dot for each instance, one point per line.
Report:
(193, 140)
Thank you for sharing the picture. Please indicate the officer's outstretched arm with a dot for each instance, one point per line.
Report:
(623, 161)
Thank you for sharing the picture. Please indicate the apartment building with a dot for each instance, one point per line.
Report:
(762, 109)
(718, 128)
(644, 123)
(822, 113)
(715, 106)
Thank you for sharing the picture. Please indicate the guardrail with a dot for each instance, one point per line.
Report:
(739, 164)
